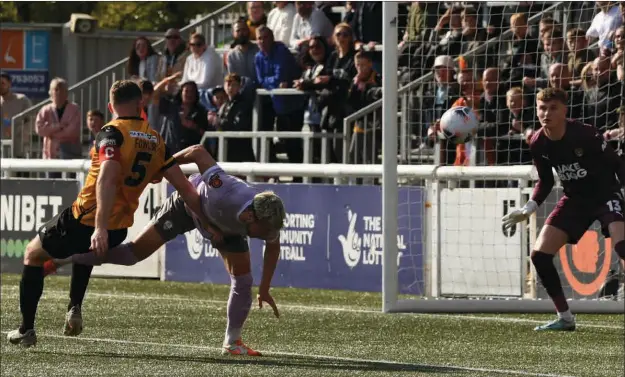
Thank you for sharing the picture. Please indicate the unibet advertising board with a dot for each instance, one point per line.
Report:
(26, 205)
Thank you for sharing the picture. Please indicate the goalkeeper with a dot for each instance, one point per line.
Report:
(588, 169)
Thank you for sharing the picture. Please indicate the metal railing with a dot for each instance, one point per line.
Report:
(266, 137)
(92, 92)
(408, 91)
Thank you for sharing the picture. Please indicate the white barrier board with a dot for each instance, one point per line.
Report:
(149, 202)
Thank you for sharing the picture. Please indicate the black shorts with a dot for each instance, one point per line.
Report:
(172, 219)
(64, 235)
(575, 216)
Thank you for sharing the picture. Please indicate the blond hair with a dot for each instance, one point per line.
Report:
(514, 91)
(521, 17)
(587, 79)
(269, 207)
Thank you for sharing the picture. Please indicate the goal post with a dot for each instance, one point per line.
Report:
(389, 155)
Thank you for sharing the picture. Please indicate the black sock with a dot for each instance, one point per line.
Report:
(78, 287)
(31, 287)
(550, 279)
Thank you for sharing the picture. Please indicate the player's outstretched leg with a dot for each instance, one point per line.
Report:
(550, 240)
(239, 302)
(123, 255)
(31, 287)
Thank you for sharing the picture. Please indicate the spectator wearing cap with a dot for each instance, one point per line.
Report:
(203, 66)
(607, 20)
(308, 22)
(438, 97)
(242, 53)
(144, 61)
(255, 17)
(280, 21)
(175, 52)
(12, 104)
(59, 123)
(579, 54)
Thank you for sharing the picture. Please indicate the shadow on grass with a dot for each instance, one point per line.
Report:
(272, 360)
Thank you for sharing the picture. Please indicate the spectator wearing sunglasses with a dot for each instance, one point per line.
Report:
(203, 66)
(175, 52)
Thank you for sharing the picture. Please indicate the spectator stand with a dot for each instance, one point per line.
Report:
(410, 148)
(92, 92)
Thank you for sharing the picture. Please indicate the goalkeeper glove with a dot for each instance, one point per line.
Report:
(519, 215)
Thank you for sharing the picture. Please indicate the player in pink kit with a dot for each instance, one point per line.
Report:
(592, 176)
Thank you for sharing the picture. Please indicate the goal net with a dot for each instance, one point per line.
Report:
(493, 57)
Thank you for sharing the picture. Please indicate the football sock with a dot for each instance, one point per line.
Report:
(239, 304)
(567, 315)
(121, 255)
(550, 279)
(78, 285)
(620, 249)
(31, 287)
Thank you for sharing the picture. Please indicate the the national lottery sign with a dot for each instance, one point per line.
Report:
(332, 239)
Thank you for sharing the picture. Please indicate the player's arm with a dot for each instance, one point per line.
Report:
(108, 145)
(542, 189)
(175, 176)
(196, 154)
(270, 261)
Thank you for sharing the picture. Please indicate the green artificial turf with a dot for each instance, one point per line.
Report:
(152, 328)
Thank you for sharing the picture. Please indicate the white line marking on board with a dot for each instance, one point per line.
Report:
(55, 294)
(399, 364)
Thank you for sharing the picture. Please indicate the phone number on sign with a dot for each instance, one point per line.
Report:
(28, 79)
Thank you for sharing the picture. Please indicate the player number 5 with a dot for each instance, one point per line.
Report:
(614, 206)
(138, 169)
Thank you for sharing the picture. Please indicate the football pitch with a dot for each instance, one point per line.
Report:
(152, 328)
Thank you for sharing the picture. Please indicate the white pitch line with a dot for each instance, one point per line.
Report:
(317, 357)
(63, 294)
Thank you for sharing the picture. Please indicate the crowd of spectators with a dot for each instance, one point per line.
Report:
(491, 59)
(500, 80)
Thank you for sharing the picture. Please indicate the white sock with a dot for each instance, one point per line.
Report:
(232, 335)
(567, 315)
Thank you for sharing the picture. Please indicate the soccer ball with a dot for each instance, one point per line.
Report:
(458, 124)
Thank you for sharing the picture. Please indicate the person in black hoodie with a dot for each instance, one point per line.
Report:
(366, 88)
(235, 115)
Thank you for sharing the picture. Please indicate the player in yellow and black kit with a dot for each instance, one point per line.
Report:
(128, 155)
